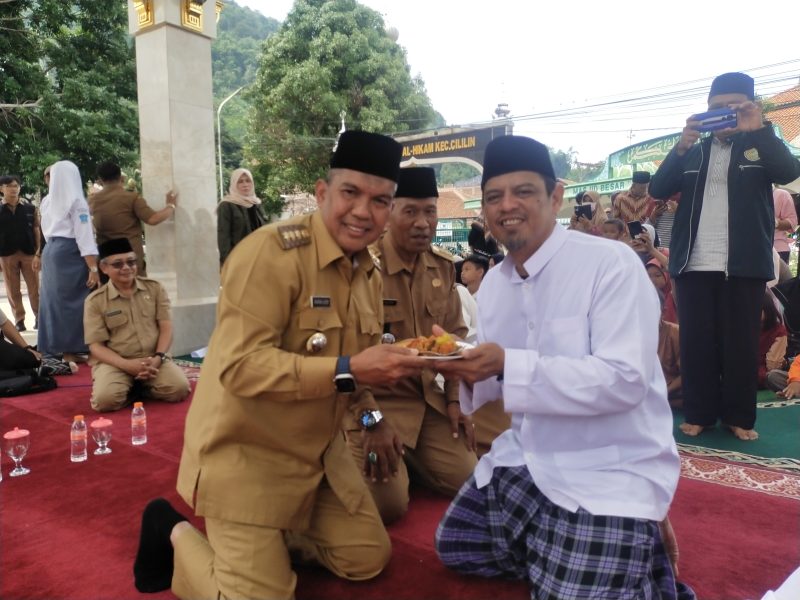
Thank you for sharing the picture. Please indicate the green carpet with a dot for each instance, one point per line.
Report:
(190, 358)
(778, 426)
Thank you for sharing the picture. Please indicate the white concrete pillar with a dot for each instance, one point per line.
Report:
(176, 129)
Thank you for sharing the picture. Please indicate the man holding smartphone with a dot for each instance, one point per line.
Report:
(721, 253)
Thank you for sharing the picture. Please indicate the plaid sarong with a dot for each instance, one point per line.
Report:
(510, 529)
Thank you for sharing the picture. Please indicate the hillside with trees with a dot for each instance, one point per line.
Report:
(328, 58)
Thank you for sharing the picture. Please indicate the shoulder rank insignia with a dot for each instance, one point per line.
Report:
(375, 255)
(293, 236)
(442, 253)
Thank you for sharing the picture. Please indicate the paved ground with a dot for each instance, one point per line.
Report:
(30, 335)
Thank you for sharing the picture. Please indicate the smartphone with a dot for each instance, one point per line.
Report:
(721, 118)
(583, 210)
(635, 228)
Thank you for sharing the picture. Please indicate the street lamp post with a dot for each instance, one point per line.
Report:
(219, 139)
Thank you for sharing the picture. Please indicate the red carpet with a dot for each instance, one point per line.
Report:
(70, 530)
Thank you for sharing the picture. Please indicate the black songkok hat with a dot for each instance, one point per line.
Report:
(515, 153)
(112, 247)
(641, 177)
(369, 153)
(733, 83)
(417, 182)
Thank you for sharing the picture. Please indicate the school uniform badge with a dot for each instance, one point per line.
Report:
(752, 155)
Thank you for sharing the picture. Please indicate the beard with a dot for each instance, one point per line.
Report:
(514, 243)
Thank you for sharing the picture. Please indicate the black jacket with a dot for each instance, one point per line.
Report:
(758, 159)
(234, 223)
(16, 229)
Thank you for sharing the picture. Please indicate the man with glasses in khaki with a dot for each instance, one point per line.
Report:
(128, 329)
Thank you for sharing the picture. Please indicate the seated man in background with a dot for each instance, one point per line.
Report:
(128, 330)
(418, 292)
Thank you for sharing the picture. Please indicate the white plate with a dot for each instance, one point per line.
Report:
(454, 356)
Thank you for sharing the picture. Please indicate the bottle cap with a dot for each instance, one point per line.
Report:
(137, 404)
(78, 418)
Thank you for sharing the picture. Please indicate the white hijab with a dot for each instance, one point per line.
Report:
(233, 193)
(65, 190)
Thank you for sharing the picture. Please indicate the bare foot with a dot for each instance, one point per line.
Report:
(747, 435)
(690, 429)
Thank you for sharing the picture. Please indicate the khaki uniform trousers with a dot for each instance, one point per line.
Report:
(111, 386)
(439, 462)
(239, 560)
(13, 265)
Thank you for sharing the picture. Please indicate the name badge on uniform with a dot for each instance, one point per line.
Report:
(320, 302)
(114, 312)
(390, 302)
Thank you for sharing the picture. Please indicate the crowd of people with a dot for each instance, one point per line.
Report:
(551, 432)
(122, 328)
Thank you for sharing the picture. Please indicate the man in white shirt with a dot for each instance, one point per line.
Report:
(570, 498)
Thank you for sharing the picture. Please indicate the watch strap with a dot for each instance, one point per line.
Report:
(343, 365)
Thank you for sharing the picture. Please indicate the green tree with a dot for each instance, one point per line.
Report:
(23, 86)
(79, 67)
(235, 55)
(328, 57)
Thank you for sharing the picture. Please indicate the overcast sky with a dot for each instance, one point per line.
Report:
(549, 56)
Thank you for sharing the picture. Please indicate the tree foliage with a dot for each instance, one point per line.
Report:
(329, 57)
(235, 55)
(76, 61)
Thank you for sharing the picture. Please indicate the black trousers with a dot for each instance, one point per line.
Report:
(720, 324)
(13, 357)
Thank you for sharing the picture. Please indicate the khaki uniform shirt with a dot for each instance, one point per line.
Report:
(118, 213)
(264, 427)
(415, 297)
(128, 326)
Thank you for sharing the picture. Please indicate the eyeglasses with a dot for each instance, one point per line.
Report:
(118, 264)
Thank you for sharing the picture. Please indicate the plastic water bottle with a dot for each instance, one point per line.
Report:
(77, 437)
(138, 425)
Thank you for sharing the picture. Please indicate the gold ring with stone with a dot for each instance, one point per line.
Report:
(373, 458)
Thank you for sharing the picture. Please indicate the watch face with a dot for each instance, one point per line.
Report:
(367, 420)
(345, 384)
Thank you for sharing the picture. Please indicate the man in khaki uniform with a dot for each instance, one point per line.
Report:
(118, 213)
(296, 342)
(419, 291)
(128, 329)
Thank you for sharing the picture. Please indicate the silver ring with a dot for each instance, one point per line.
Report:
(373, 458)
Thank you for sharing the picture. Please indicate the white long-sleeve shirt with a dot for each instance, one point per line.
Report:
(77, 225)
(582, 380)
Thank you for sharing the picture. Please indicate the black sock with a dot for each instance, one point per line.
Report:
(152, 570)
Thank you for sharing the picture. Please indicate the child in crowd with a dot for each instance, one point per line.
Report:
(772, 340)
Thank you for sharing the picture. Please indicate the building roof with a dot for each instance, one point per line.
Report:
(787, 118)
(451, 204)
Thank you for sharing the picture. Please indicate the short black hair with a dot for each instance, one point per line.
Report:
(108, 171)
(479, 261)
(9, 178)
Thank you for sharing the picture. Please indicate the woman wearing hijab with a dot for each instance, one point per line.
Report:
(595, 224)
(239, 213)
(69, 264)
